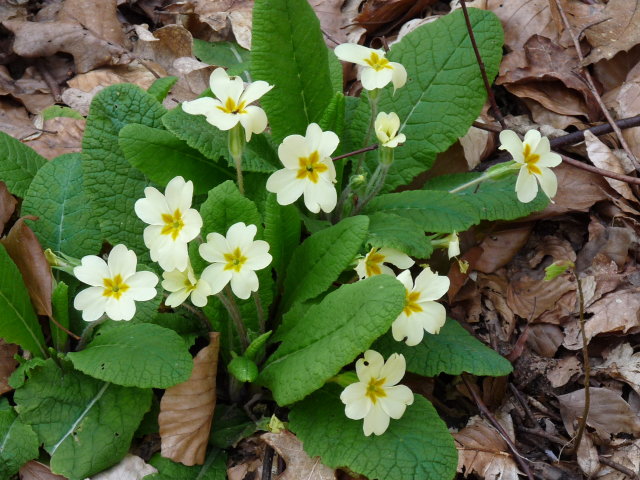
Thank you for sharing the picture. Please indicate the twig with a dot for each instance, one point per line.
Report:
(204, 320)
(587, 367)
(68, 332)
(577, 137)
(538, 432)
(485, 411)
(487, 127)
(492, 99)
(267, 463)
(605, 173)
(357, 152)
(523, 402)
(621, 468)
(49, 80)
(592, 88)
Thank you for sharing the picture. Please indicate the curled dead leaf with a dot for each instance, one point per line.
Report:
(100, 18)
(38, 471)
(602, 157)
(7, 364)
(7, 205)
(622, 363)
(131, 467)
(25, 250)
(298, 463)
(186, 410)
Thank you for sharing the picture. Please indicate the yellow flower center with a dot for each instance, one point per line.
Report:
(411, 305)
(173, 224)
(310, 167)
(530, 159)
(372, 263)
(235, 260)
(188, 286)
(375, 390)
(114, 287)
(377, 62)
(231, 107)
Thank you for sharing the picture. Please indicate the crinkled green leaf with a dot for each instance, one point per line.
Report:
(60, 305)
(225, 206)
(162, 156)
(18, 164)
(111, 183)
(223, 54)
(214, 468)
(418, 446)
(321, 258)
(433, 211)
(55, 111)
(67, 222)
(18, 321)
(259, 154)
(331, 335)
(444, 92)
(18, 377)
(452, 351)
(493, 199)
(282, 232)
(392, 231)
(18, 442)
(85, 425)
(136, 355)
(161, 87)
(333, 117)
(288, 51)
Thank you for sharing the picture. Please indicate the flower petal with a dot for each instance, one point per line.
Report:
(151, 208)
(122, 309)
(510, 142)
(369, 366)
(372, 79)
(91, 302)
(179, 194)
(214, 248)
(285, 184)
(398, 75)
(532, 138)
(396, 257)
(254, 121)
(351, 52)
(92, 271)
(241, 236)
(200, 106)
(254, 91)
(122, 261)
(431, 285)
(291, 149)
(176, 298)
(432, 317)
(328, 144)
(548, 182)
(396, 401)
(394, 369)
(406, 280)
(244, 282)
(142, 286)
(217, 277)
(376, 421)
(526, 186)
(224, 121)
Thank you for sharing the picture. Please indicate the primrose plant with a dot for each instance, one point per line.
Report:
(282, 214)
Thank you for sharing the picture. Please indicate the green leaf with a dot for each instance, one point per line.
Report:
(333, 117)
(331, 335)
(225, 206)
(223, 54)
(433, 211)
(111, 183)
(214, 468)
(418, 446)
(288, 51)
(282, 232)
(259, 155)
(161, 156)
(140, 355)
(60, 304)
(18, 377)
(67, 222)
(493, 199)
(452, 351)
(18, 442)
(161, 87)
(321, 258)
(85, 425)
(18, 322)
(231, 425)
(243, 369)
(393, 231)
(55, 111)
(18, 164)
(445, 92)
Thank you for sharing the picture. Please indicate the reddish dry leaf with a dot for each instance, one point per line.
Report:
(7, 364)
(379, 15)
(456, 277)
(100, 18)
(7, 205)
(500, 247)
(61, 135)
(43, 39)
(131, 467)
(544, 339)
(186, 410)
(608, 412)
(25, 250)
(299, 464)
(38, 471)
(482, 450)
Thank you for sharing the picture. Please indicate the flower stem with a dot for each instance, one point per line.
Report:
(473, 182)
(375, 185)
(236, 148)
(226, 297)
(373, 103)
(88, 332)
(260, 310)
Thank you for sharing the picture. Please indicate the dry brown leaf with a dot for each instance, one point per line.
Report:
(566, 368)
(38, 471)
(500, 247)
(616, 312)
(7, 205)
(482, 450)
(544, 116)
(131, 467)
(61, 135)
(100, 18)
(186, 410)
(477, 144)
(333, 20)
(627, 454)
(379, 15)
(25, 250)
(544, 339)
(222, 15)
(43, 39)
(165, 45)
(588, 456)
(606, 244)
(7, 364)
(618, 32)
(79, 100)
(103, 77)
(608, 412)
(15, 121)
(602, 157)
(299, 464)
(623, 364)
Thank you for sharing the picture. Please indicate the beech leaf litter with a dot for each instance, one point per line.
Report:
(65, 52)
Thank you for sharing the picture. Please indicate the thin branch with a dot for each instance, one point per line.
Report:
(487, 127)
(577, 137)
(489, 416)
(621, 468)
(65, 330)
(492, 99)
(357, 152)
(592, 87)
(605, 173)
(523, 403)
(587, 367)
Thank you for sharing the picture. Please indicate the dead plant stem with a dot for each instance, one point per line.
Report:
(587, 367)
